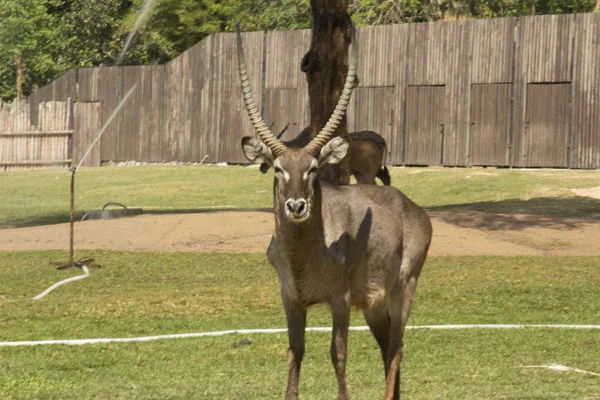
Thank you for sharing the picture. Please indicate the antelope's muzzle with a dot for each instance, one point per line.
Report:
(297, 208)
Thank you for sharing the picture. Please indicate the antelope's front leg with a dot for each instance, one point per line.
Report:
(340, 310)
(296, 320)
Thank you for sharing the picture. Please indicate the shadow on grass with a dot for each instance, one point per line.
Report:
(61, 218)
(516, 214)
(513, 214)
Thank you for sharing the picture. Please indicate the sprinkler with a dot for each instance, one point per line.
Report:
(72, 263)
(86, 262)
(89, 262)
(82, 263)
(111, 213)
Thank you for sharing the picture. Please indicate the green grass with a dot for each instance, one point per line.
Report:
(42, 197)
(138, 294)
(143, 293)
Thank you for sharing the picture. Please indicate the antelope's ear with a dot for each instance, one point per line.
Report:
(256, 151)
(335, 150)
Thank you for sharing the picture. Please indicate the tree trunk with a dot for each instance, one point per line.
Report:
(326, 66)
(20, 75)
(532, 4)
(597, 8)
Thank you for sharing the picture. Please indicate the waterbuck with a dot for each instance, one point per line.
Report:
(366, 156)
(356, 245)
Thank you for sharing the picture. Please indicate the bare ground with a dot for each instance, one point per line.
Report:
(456, 232)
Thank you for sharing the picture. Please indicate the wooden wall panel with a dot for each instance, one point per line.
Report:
(230, 121)
(375, 112)
(62, 89)
(87, 124)
(286, 90)
(435, 52)
(129, 115)
(585, 136)
(425, 123)
(490, 124)
(382, 61)
(199, 88)
(285, 106)
(492, 50)
(545, 138)
(544, 51)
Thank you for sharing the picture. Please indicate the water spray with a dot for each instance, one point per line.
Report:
(136, 26)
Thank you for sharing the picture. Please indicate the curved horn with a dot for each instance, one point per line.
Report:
(264, 133)
(315, 145)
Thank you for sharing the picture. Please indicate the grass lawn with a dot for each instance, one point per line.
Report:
(139, 294)
(42, 197)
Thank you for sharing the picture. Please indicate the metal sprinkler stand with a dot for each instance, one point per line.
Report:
(84, 263)
(73, 263)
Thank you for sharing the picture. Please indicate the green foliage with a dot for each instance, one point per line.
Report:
(91, 31)
(28, 32)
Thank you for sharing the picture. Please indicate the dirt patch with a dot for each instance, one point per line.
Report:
(594, 192)
(456, 232)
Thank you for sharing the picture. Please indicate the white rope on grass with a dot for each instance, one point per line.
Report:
(86, 273)
(558, 367)
(272, 330)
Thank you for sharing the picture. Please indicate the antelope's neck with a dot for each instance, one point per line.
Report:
(300, 241)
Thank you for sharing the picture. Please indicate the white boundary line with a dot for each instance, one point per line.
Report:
(274, 330)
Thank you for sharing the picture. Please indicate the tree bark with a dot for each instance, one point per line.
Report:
(597, 8)
(326, 67)
(532, 5)
(20, 75)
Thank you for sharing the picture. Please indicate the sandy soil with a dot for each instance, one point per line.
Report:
(455, 233)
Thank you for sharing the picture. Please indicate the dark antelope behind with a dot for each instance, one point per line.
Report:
(366, 156)
(356, 245)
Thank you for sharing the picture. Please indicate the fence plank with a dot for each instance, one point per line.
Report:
(230, 120)
(375, 112)
(544, 50)
(199, 98)
(286, 89)
(490, 124)
(425, 119)
(544, 142)
(585, 140)
(129, 115)
(382, 63)
(88, 121)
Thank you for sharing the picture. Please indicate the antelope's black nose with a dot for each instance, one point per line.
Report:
(296, 207)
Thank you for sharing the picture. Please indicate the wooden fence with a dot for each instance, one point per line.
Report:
(503, 92)
(47, 144)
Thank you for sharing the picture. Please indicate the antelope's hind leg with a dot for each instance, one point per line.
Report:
(401, 304)
(378, 319)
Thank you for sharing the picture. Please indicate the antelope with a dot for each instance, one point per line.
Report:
(366, 156)
(355, 245)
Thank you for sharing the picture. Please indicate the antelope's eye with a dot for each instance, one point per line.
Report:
(313, 170)
(277, 170)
